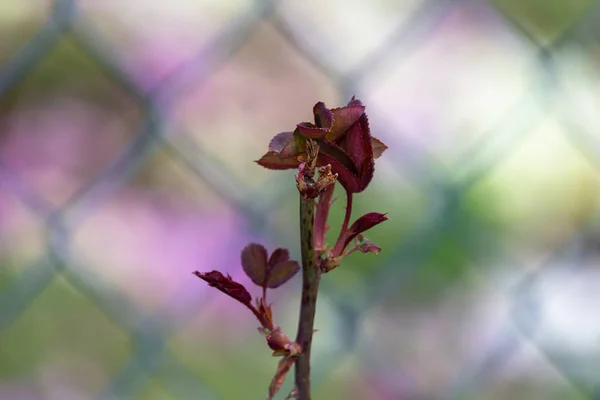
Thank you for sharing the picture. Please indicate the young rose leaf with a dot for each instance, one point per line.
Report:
(366, 246)
(281, 272)
(362, 224)
(226, 285)
(279, 255)
(368, 167)
(341, 164)
(353, 144)
(378, 147)
(339, 154)
(310, 131)
(344, 118)
(369, 247)
(281, 141)
(366, 174)
(273, 160)
(254, 262)
(355, 102)
(323, 116)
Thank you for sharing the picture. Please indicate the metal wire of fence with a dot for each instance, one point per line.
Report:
(150, 335)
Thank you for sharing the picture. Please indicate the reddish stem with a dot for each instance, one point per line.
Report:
(348, 213)
(339, 244)
(264, 293)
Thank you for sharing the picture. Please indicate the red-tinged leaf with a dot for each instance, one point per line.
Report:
(310, 131)
(355, 102)
(353, 143)
(287, 144)
(321, 215)
(254, 263)
(278, 256)
(283, 368)
(368, 166)
(300, 141)
(346, 178)
(366, 246)
(369, 247)
(367, 174)
(364, 126)
(281, 141)
(341, 164)
(378, 147)
(272, 160)
(335, 151)
(226, 285)
(281, 273)
(363, 224)
(343, 118)
(323, 116)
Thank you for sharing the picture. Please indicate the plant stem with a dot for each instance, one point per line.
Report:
(338, 248)
(348, 212)
(310, 287)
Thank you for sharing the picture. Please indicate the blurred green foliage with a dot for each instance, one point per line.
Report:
(545, 20)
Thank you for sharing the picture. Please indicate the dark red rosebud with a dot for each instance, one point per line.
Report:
(357, 144)
(344, 140)
(268, 272)
(226, 285)
(343, 119)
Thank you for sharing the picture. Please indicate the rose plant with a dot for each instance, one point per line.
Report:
(339, 147)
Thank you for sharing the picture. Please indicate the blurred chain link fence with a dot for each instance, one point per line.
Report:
(149, 336)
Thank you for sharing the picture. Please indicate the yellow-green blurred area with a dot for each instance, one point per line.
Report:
(128, 131)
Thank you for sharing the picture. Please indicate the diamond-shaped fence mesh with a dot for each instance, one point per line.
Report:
(128, 131)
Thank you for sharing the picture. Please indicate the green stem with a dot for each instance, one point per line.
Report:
(310, 287)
